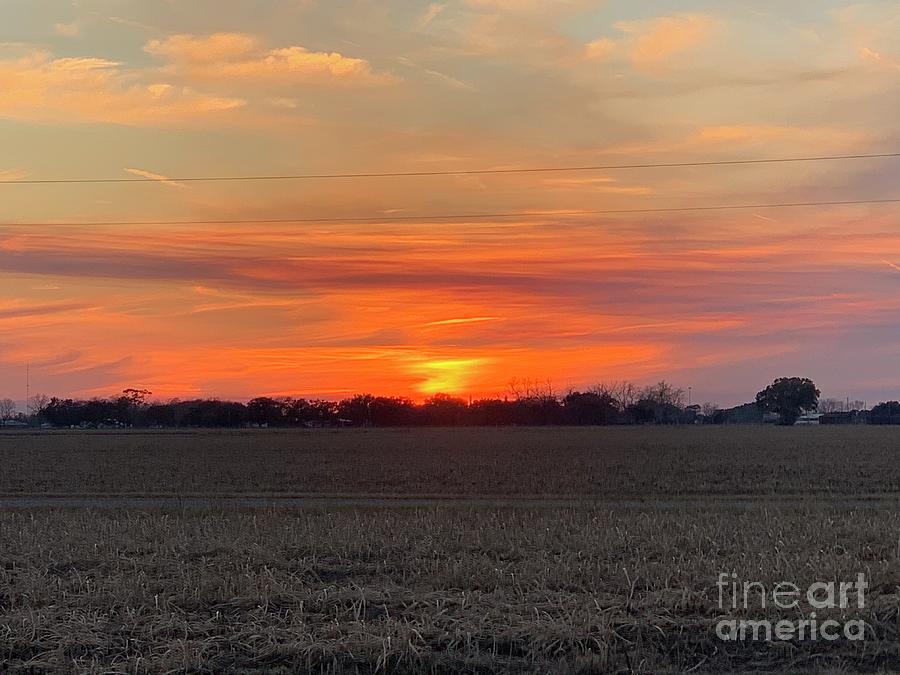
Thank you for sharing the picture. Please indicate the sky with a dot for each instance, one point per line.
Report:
(722, 302)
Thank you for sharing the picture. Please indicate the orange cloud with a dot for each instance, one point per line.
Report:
(541, 7)
(872, 56)
(781, 140)
(766, 134)
(654, 41)
(599, 49)
(13, 174)
(38, 87)
(214, 48)
(237, 312)
(230, 56)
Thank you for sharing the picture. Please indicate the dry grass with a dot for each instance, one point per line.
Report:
(436, 591)
(607, 462)
(587, 589)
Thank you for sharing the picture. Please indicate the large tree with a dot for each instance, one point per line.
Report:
(788, 397)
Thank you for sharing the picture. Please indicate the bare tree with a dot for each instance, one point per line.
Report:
(710, 409)
(37, 404)
(663, 393)
(831, 405)
(7, 409)
(522, 389)
(624, 393)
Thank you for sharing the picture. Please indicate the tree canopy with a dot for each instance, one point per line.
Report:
(789, 397)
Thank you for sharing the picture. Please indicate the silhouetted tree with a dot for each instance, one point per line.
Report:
(885, 413)
(386, 411)
(357, 410)
(321, 412)
(296, 411)
(36, 406)
(61, 412)
(162, 414)
(788, 397)
(641, 412)
(7, 409)
(491, 412)
(591, 408)
(709, 409)
(215, 413)
(444, 410)
(266, 411)
(663, 394)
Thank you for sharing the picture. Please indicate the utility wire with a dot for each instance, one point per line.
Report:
(463, 172)
(461, 216)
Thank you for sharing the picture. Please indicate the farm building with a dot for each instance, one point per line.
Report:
(809, 418)
(849, 417)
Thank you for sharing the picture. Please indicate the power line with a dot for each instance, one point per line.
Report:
(461, 216)
(461, 172)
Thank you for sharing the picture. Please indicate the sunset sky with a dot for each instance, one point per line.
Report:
(719, 301)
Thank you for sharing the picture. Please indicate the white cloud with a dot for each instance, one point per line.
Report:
(165, 180)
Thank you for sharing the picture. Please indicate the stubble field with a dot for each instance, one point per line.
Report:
(612, 462)
(524, 586)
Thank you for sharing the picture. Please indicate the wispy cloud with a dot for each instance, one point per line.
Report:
(452, 81)
(471, 319)
(430, 14)
(165, 180)
(21, 310)
(872, 56)
(443, 77)
(13, 174)
(67, 29)
(652, 42)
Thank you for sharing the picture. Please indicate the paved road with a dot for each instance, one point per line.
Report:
(203, 502)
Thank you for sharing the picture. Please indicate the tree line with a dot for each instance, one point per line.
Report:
(526, 404)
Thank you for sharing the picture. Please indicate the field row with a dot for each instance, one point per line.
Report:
(602, 462)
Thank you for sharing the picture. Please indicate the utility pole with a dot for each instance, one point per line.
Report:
(689, 396)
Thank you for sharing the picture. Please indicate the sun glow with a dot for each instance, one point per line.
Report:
(454, 376)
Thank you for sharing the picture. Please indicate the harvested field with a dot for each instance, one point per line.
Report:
(603, 462)
(426, 590)
(440, 551)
